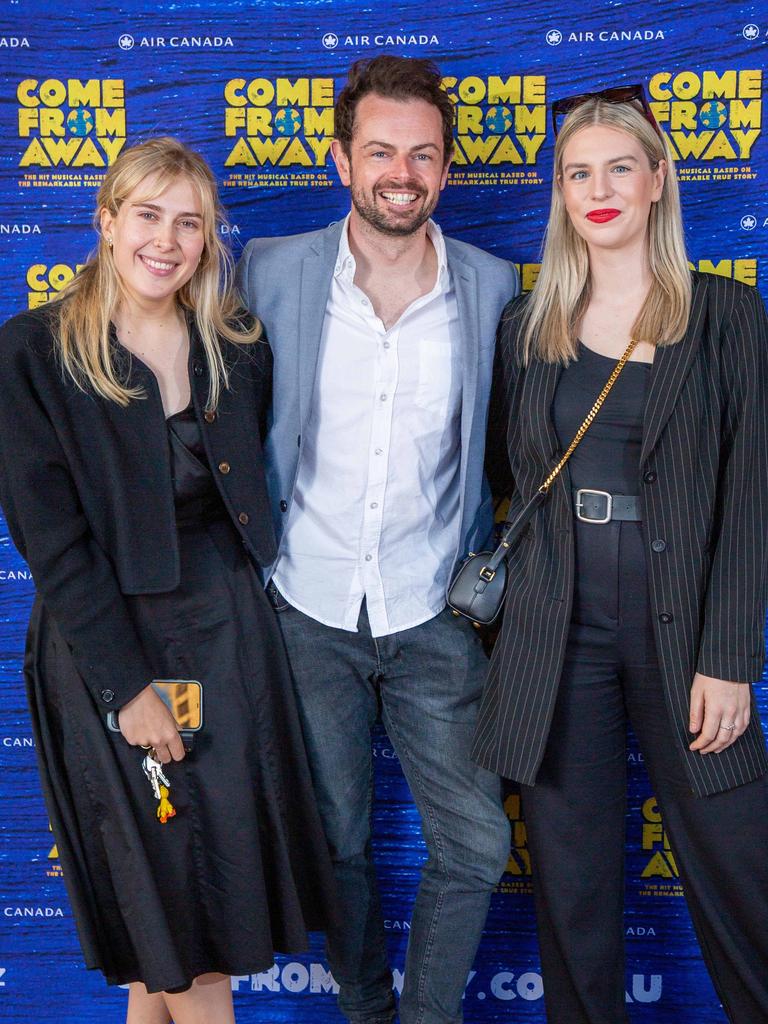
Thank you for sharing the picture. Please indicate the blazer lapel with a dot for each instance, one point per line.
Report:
(670, 368)
(317, 270)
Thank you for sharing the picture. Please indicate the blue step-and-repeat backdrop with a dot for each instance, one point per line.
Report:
(251, 83)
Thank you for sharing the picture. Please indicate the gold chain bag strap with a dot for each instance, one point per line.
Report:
(478, 588)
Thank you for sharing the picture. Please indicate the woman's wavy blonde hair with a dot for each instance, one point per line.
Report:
(562, 291)
(87, 306)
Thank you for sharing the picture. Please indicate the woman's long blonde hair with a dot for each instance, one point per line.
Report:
(562, 291)
(87, 306)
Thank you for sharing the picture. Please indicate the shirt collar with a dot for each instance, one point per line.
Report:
(345, 261)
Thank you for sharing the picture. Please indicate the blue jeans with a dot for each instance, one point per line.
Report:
(428, 680)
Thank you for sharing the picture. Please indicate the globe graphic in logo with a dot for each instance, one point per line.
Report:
(288, 121)
(498, 120)
(80, 121)
(713, 115)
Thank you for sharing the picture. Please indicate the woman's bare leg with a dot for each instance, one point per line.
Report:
(144, 1008)
(208, 1001)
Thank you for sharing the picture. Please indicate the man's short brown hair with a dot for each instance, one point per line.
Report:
(396, 78)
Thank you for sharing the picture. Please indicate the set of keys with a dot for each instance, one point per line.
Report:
(153, 769)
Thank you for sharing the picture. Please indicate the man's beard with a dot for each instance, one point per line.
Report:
(379, 218)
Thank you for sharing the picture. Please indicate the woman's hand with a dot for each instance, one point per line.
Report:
(719, 713)
(145, 721)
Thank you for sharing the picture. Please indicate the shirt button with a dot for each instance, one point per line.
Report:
(364, 302)
(650, 477)
(666, 618)
(224, 467)
(383, 398)
(374, 504)
(386, 344)
(209, 415)
(244, 517)
(283, 506)
(369, 558)
(378, 451)
(197, 369)
(658, 545)
(107, 696)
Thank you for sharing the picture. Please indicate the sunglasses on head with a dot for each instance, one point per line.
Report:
(620, 94)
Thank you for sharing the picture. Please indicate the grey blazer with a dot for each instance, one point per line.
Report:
(286, 282)
(703, 482)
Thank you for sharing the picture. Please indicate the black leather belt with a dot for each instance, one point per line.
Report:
(601, 507)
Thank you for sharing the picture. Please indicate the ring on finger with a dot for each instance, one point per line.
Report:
(729, 728)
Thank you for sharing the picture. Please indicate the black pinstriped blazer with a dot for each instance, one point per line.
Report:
(704, 487)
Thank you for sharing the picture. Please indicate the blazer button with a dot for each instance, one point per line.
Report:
(283, 506)
(197, 369)
(650, 477)
(107, 696)
(658, 545)
(209, 415)
(666, 618)
(224, 467)
(244, 518)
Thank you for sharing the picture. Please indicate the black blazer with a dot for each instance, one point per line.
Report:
(703, 482)
(86, 488)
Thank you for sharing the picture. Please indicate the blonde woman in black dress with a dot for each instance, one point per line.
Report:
(131, 480)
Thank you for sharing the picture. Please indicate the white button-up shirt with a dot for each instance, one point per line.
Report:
(375, 510)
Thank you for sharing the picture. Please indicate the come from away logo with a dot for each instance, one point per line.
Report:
(712, 119)
(71, 124)
(44, 282)
(501, 123)
(660, 876)
(283, 126)
(517, 877)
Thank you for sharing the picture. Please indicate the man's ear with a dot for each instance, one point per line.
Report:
(342, 162)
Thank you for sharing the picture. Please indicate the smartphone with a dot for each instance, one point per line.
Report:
(182, 697)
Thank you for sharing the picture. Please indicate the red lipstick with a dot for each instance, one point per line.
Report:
(602, 216)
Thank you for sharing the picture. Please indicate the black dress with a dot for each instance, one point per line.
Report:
(242, 869)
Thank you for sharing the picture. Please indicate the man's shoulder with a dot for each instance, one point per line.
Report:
(293, 246)
(481, 260)
(472, 253)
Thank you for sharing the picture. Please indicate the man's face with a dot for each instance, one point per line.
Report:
(395, 171)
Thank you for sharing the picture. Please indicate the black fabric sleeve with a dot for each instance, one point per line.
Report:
(72, 574)
(732, 643)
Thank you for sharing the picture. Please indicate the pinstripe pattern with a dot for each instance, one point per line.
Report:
(704, 486)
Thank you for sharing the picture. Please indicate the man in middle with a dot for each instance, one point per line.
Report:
(383, 336)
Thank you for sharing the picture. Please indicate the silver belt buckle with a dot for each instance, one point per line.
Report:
(608, 505)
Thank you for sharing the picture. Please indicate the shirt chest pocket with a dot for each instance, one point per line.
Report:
(437, 379)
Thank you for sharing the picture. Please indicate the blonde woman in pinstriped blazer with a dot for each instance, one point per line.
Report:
(639, 590)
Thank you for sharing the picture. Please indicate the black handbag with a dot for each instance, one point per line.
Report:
(478, 589)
